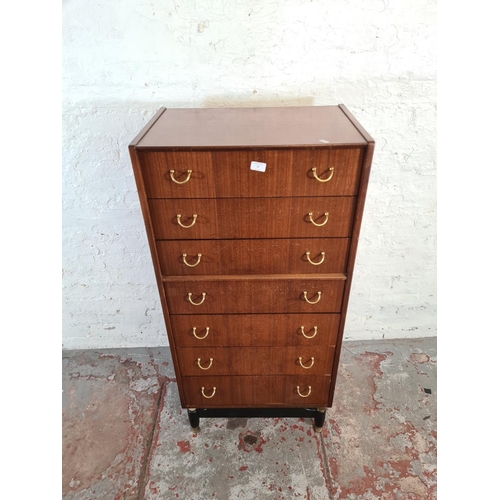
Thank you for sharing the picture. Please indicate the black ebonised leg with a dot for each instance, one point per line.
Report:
(319, 419)
(194, 419)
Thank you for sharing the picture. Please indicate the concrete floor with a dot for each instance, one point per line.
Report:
(125, 435)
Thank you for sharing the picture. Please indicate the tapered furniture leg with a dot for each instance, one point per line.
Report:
(194, 419)
(319, 419)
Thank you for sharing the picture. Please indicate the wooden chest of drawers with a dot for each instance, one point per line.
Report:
(253, 217)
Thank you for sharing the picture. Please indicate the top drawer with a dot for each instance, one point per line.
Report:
(227, 174)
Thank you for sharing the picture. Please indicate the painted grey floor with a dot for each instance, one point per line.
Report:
(125, 435)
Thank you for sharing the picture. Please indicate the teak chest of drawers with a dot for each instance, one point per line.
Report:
(253, 218)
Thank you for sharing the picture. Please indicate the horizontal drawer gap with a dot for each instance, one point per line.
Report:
(249, 313)
(208, 238)
(305, 238)
(256, 277)
(273, 314)
(252, 197)
(252, 346)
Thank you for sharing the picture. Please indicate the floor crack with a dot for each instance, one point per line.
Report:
(149, 445)
(324, 457)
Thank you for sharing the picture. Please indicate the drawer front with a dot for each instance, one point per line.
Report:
(167, 225)
(161, 183)
(235, 179)
(271, 256)
(259, 391)
(254, 296)
(227, 174)
(343, 180)
(217, 174)
(235, 330)
(312, 360)
(249, 218)
(330, 217)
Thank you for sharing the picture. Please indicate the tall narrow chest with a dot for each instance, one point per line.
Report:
(253, 217)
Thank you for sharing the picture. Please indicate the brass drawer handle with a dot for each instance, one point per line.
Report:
(304, 293)
(315, 223)
(204, 336)
(209, 365)
(203, 295)
(182, 225)
(308, 255)
(323, 180)
(303, 395)
(172, 172)
(184, 255)
(310, 336)
(213, 392)
(306, 367)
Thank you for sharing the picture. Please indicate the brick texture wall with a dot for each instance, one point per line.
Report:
(123, 60)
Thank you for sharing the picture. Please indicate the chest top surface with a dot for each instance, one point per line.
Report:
(311, 126)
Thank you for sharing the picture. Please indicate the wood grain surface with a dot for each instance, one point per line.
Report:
(226, 296)
(247, 218)
(228, 174)
(312, 126)
(278, 360)
(258, 391)
(253, 230)
(234, 330)
(270, 256)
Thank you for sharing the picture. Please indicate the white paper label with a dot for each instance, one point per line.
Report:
(258, 166)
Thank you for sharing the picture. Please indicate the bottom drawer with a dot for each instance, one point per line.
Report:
(256, 391)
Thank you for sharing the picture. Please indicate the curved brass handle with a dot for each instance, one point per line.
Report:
(315, 223)
(204, 336)
(182, 225)
(172, 172)
(323, 180)
(203, 295)
(184, 255)
(302, 395)
(210, 364)
(306, 367)
(304, 293)
(309, 336)
(213, 392)
(308, 255)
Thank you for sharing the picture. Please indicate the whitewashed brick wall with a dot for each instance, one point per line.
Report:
(123, 60)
